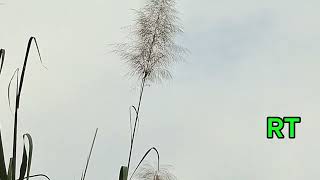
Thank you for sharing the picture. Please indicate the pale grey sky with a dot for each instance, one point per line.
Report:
(249, 59)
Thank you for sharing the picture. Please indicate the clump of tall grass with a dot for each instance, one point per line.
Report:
(25, 167)
(149, 53)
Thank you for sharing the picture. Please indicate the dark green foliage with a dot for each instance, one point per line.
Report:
(123, 173)
(3, 169)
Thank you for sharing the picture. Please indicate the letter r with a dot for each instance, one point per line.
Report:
(271, 127)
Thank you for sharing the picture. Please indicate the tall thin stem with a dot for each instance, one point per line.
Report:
(136, 120)
(141, 92)
(88, 159)
(14, 145)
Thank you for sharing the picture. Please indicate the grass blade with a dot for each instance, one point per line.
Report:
(32, 39)
(3, 170)
(18, 95)
(145, 155)
(29, 154)
(123, 173)
(88, 159)
(38, 175)
(23, 166)
(10, 170)
(2, 54)
(16, 73)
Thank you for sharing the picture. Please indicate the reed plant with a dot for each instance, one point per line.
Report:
(11, 172)
(150, 51)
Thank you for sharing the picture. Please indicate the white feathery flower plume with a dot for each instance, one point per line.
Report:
(152, 47)
(148, 172)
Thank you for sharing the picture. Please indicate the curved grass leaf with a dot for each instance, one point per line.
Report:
(145, 155)
(24, 67)
(130, 115)
(16, 73)
(38, 175)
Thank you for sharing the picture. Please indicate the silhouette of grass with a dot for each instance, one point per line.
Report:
(25, 167)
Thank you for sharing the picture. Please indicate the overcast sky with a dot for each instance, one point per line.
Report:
(249, 59)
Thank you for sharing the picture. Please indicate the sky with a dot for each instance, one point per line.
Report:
(248, 60)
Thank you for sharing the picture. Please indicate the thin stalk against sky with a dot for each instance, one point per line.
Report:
(152, 49)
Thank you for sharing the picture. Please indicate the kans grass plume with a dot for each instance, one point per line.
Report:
(151, 47)
(150, 50)
(148, 172)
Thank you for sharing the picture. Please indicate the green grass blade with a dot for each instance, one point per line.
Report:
(18, 95)
(3, 170)
(10, 170)
(23, 166)
(123, 173)
(29, 154)
(24, 67)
